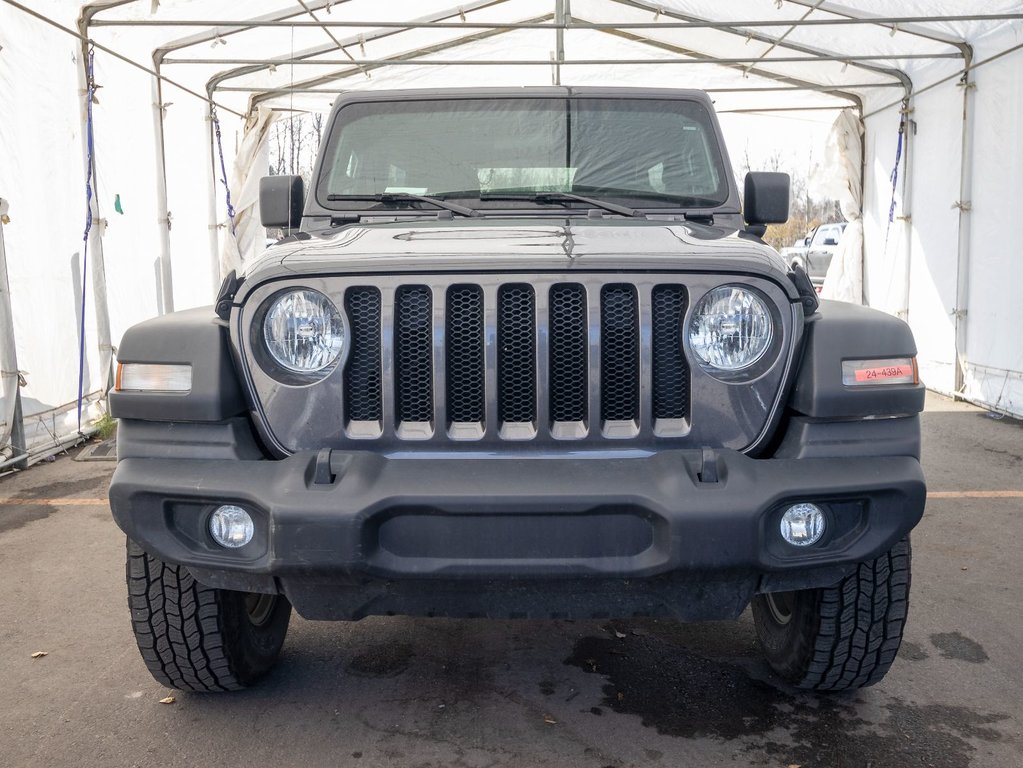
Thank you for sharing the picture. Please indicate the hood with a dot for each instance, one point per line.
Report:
(519, 245)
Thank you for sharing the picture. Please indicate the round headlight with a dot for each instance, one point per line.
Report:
(731, 328)
(303, 331)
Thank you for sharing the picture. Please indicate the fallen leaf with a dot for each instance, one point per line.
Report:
(794, 765)
(621, 696)
(619, 635)
(168, 699)
(549, 720)
(39, 654)
(964, 568)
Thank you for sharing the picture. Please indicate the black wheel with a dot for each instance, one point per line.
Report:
(842, 637)
(196, 638)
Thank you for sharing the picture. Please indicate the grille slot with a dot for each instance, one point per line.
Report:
(466, 366)
(670, 368)
(413, 354)
(362, 376)
(516, 354)
(619, 354)
(569, 376)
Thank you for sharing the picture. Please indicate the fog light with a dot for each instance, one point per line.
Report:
(802, 525)
(231, 526)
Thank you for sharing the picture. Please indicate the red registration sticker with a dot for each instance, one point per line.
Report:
(885, 372)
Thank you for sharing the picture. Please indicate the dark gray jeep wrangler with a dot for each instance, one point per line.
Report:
(523, 355)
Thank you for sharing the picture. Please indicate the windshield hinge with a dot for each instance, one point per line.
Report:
(700, 218)
(344, 219)
(226, 295)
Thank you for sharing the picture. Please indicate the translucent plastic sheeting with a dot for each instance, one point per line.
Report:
(8, 360)
(840, 179)
(42, 176)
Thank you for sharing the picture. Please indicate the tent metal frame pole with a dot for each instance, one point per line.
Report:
(9, 361)
(307, 60)
(212, 202)
(284, 90)
(333, 77)
(559, 40)
(106, 49)
(843, 21)
(160, 54)
(159, 60)
(312, 14)
(908, 153)
(163, 221)
(909, 27)
(837, 91)
(261, 64)
(965, 206)
(761, 37)
(100, 299)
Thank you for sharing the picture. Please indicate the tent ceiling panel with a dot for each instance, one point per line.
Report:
(792, 42)
(403, 45)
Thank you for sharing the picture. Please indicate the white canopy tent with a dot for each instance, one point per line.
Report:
(935, 83)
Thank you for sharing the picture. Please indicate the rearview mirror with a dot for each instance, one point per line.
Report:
(281, 199)
(767, 198)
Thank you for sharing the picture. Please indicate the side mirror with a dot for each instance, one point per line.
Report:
(830, 241)
(281, 199)
(767, 198)
(806, 240)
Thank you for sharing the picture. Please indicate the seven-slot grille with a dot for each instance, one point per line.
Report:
(600, 358)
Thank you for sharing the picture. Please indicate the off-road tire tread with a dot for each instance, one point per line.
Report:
(181, 627)
(851, 632)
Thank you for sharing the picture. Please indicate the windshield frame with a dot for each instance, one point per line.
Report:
(318, 206)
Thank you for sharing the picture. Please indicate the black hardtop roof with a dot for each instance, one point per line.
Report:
(548, 91)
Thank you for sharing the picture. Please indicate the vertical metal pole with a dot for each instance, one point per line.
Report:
(211, 199)
(9, 358)
(964, 205)
(560, 12)
(166, 287)
(907, 202)
(99, 273)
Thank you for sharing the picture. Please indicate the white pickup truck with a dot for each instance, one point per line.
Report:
(815, 251)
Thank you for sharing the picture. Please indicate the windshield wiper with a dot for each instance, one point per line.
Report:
(561, 197)
(405, 197)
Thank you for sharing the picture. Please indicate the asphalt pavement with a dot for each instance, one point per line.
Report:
(476, 693)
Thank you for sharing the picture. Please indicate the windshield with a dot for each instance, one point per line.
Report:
(657, 153)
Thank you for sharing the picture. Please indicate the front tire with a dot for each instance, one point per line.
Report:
(197, 638)
(843, 637)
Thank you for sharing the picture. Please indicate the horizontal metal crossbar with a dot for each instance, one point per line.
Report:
(837, 21)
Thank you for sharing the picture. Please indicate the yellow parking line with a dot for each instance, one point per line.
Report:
(975, 494)
(54, 502)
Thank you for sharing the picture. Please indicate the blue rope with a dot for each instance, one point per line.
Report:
(894, 177)
(91, 92)
(223, 167)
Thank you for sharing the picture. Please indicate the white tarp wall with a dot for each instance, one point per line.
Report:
(42, 177)
(964, 267)
(945, 271)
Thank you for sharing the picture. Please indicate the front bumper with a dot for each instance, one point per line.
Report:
(523, 536)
